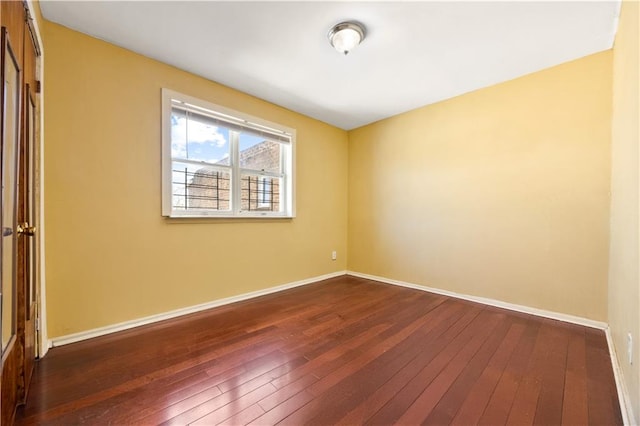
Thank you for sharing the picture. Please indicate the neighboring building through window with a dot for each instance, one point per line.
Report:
(219, 162)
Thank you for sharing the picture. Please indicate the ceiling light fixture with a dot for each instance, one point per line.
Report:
(346, 35)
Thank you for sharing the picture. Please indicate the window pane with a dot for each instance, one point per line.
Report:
(260, 193)
(256, 153)
(197, 140)
(200, 188)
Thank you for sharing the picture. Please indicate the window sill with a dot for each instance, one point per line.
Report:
(226, 219)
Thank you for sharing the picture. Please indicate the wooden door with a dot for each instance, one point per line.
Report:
(27, 206)
(18, 130)
(12, 351)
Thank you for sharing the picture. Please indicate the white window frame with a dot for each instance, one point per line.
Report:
(237, 119)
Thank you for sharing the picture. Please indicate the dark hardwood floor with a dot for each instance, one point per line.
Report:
(341, 351)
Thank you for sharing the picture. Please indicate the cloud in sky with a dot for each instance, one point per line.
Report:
(198, 141)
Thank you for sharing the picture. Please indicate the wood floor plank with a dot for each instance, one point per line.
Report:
(398, 405)
(128, 406)
(239, 388)
(347, 397)
(281, 411)
(501, 401)
(525, 402)
(315, 364)
(233, 407)
(383, 312)
(190, 388)
(454, 398)
(382, 395)
(90, 392)
(575, 408)
(601, 394)
(244, 417)
(370, 353)
(550, 400)
(286, 392)
(151, 399)
(341, 351)
(420, 409)
(475, 403)
(334, 384)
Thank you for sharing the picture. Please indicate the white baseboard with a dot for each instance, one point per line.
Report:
(491, 302)
(623, 393)
(96, 332)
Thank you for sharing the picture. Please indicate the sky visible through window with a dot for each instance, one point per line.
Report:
(199, 141)
(195, 140)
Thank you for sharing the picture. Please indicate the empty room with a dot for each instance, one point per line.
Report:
(300, 212)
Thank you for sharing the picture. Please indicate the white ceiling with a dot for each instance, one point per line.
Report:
(415, 53)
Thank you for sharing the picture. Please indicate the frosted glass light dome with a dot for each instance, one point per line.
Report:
(345, 36)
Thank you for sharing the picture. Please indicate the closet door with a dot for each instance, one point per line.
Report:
(27, 252)
(12, 351)
(18, 159)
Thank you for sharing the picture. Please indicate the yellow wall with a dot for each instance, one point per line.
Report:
(500, 193)
(110, 255)
(624, 279)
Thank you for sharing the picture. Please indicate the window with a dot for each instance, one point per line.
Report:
(217, 162)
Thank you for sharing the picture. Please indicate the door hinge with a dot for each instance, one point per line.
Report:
(38, 86)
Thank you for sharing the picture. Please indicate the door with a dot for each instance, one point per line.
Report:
(18, 263)
(12, 350)
(27, 263)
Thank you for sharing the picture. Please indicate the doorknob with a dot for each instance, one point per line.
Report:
(25, 229)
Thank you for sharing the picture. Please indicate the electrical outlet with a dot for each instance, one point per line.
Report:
(334, 255)
(630, 348)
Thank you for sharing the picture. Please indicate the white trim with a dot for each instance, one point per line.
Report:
(623, 393)
(166, 153)
(101, 331)
(491, 302)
